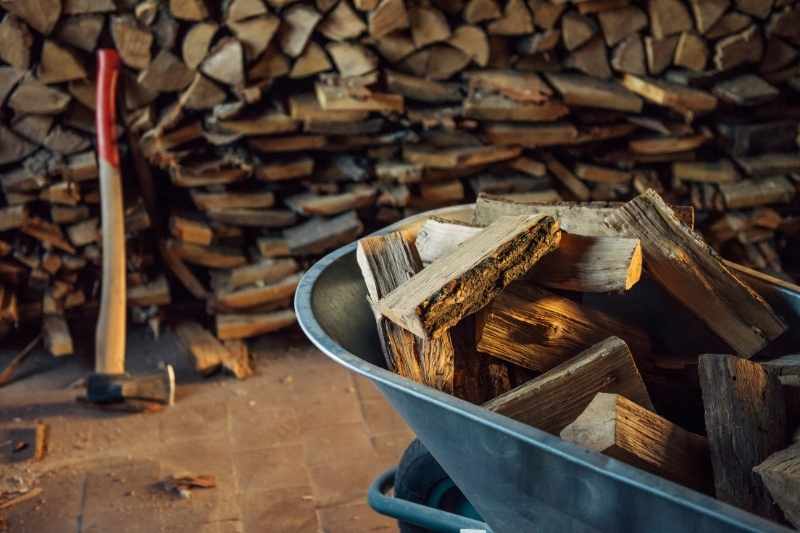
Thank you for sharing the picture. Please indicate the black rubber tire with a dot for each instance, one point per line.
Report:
(417, 475)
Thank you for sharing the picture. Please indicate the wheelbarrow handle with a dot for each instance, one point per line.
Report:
(414, 513)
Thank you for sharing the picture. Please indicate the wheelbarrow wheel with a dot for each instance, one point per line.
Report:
(418, 477)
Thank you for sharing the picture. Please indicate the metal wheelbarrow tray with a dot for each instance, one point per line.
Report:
(520, 479)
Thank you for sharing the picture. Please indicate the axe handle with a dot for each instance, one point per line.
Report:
(110, 335)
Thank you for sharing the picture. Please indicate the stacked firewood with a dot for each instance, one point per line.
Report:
(280, 130)
(593, 322)
(50, 251)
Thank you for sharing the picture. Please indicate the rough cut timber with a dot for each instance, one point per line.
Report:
(206, 351)
(387, 262)
(235, 299)
(584, 264)
(432, 301)
(577, 218)
(554, 400)
(536, 329)
(620, 428)
(692, 272)
(780, 473)
(745, 414)
(243, 326)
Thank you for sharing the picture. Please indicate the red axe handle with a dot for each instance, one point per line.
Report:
(110, 335)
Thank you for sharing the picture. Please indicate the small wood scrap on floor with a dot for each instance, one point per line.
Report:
(209, 354)
(183, 485)
(24, 443)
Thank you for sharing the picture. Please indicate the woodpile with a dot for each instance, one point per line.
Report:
(276, 131)
(540, 312)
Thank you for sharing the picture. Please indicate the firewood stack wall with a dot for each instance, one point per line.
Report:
(279, 130)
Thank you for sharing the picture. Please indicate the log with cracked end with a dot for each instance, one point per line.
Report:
(554, 399)
(618, 427)
(386, 262)
(434, 300)
(681, 262)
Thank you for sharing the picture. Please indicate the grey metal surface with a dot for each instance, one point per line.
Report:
(519, 478)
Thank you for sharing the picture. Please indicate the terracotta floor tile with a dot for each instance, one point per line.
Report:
(339, 443)
(366, 389)
(381, 418)
(283, 510)
(356, 517)
(124, 431)
(279, 467)
(55, 510)
(339, 483)
(121, 485)
(129, 521)
(255, 425)
(205, 506)
(199, 456)
(209, 419)
(390, 446)
(340, 406)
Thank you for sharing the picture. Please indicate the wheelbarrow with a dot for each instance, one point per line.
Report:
(519, 479)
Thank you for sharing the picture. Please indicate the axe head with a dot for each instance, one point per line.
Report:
(158, 387)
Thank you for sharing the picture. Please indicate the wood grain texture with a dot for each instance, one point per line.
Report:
(387, 262)
(780, 473)
(584, 264)
(618, 427)
(691, 271)
(553, 400)
(536, 329)
(574, 217)
(746, 422)
(463, 282)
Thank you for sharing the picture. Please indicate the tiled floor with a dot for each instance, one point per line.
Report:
(292, 449)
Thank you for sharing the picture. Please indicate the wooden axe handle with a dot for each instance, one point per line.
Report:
(110, 336)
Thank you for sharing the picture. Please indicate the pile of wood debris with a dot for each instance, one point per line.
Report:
(512, 310)
(279, 130)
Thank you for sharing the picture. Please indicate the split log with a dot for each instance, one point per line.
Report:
(686, 101)
(206, 351)
(620, 428)
(536, 329)
(132, 41)
(41, 15)
(197, 43)
(554, 400)
(779, 473)
(189, 230)
(257, 218)
(426, 306)
(235, 299)
(299, 22)
(17, 43)
(387, 262)
(318, 235)
(208, 256)
(166, 73)
(578, 90)
(243, 326)
(756, 192)
(225, 63)
(690, 270)
(263, 271)
(57, 338)
(154, 293)
(746, 420)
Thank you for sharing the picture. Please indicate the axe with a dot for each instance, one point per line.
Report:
(109, 383)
